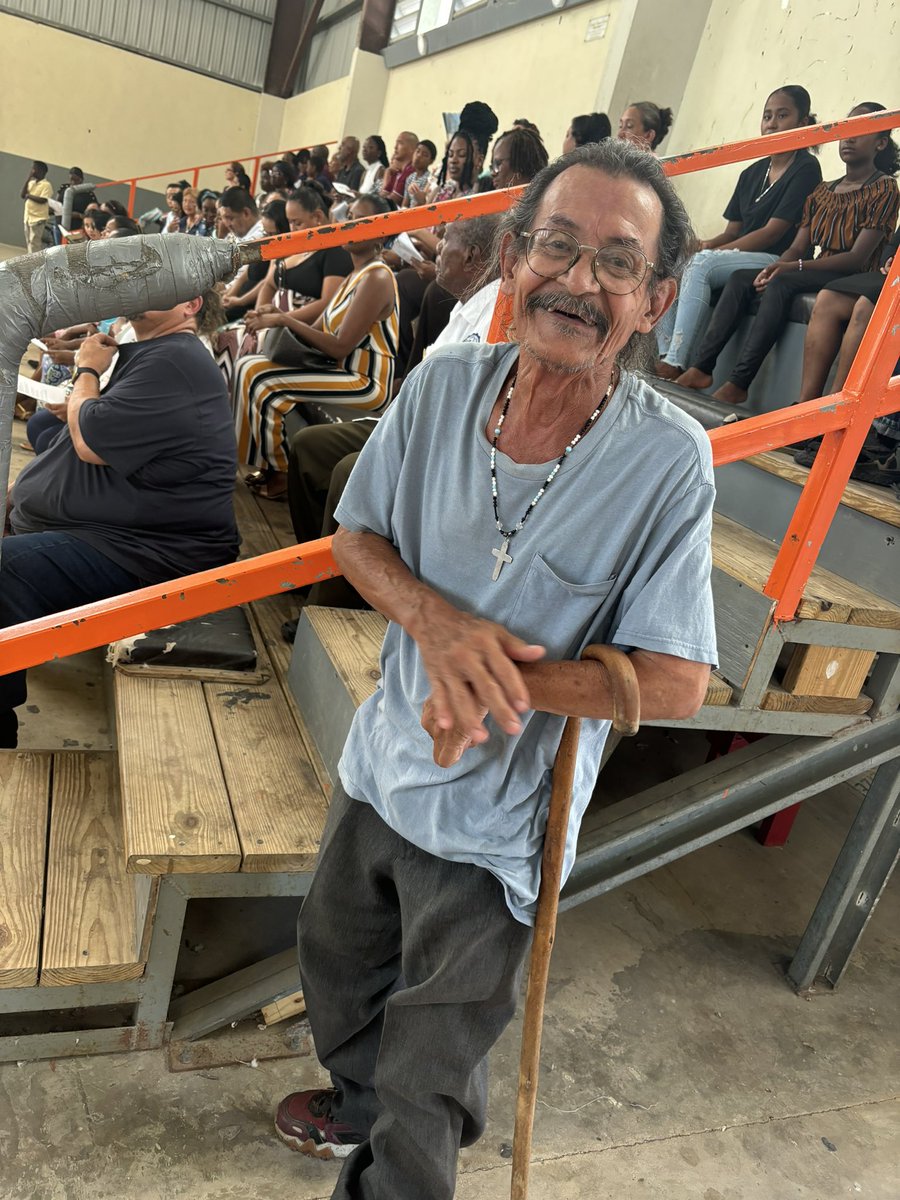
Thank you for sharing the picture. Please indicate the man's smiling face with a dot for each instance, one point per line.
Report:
(571, 324)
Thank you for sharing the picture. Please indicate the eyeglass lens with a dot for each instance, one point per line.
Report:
(618, 269)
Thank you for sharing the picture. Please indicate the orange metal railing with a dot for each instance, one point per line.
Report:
(843, 419)
(182, 172)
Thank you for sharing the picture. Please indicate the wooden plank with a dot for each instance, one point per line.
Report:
(177, 813)
(146, 898)
(868, 498)
(777, 699)
(352, 638)
(268, 615)
(278, 803)
(827, 671)
(24, 795)
(283, 1010)
(277, 517)
(204, 674)
(718, 692)
(743, 616)
(747, 556)
(89, 916)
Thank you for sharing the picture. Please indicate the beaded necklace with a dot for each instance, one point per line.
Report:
(500, 554)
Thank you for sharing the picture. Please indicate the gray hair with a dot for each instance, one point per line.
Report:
(480, 232)
(617, 159)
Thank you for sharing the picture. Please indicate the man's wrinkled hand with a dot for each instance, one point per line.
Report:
(449, 744)
(97, 352)
(471, 665)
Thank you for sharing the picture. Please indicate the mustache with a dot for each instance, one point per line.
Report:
(566, 303)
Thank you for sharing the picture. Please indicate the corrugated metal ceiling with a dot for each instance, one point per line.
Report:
(228, 39)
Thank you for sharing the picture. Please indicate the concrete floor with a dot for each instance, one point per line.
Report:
(677, 1065)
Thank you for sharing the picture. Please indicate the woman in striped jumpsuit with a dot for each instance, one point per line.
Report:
(358, 329)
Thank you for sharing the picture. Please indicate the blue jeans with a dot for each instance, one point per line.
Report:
(706, 272)
(43, 573)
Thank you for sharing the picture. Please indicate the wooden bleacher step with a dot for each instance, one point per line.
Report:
(814, 671)
(68, 912)
(878, 502)
(749, 557)
(24, 800)
(221, 776)
(335, 667)
(91, 928)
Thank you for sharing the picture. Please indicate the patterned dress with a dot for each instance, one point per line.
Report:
(265, 391)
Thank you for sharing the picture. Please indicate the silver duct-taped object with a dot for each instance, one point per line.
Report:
(68, 201)
(92, 281)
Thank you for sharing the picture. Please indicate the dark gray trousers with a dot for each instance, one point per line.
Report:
(411, 968)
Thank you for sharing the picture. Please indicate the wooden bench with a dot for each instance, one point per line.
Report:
(816, 677)
(216, 790)
(68, 907)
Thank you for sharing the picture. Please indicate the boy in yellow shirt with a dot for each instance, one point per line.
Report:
(36, 193)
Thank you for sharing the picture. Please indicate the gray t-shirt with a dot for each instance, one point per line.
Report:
(617, 551)
(163, 504)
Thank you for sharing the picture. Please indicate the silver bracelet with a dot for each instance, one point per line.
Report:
(799, 264)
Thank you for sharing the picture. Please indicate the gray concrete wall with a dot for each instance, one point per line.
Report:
(14, 171)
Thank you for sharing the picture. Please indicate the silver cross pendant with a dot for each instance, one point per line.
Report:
(501, 557)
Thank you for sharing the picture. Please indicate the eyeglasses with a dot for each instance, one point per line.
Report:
(618, 269)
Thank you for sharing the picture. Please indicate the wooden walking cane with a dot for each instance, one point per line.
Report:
(626, 700)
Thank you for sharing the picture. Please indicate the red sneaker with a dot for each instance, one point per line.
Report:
(303, 1122)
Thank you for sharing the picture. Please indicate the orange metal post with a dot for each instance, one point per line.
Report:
(105, 621)
(388, 224)
(195, 177)
(132, 193)
(768, 431)
(255, 176)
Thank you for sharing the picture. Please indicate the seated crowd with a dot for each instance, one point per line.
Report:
(312, 349)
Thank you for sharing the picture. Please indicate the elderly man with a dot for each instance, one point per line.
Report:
(517, 503)
(136, 487)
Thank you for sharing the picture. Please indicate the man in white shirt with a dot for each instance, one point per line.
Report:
(242, 220)
(239, 212)
(462, 254)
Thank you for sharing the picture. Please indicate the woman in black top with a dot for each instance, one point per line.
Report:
(846, 220)
(304, 282)
(311, 278)
(762, 215)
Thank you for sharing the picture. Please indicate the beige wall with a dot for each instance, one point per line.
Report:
(543, 70)
(315, 116)
(132, 114)
(67, 99)
(841, 53)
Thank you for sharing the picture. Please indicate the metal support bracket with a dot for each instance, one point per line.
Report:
(857, 880)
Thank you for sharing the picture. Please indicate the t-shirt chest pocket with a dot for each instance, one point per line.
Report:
(555, 613)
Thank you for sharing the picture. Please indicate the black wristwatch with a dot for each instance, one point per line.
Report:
(86, 371)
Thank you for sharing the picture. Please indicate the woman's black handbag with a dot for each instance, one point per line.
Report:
(283, 346)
